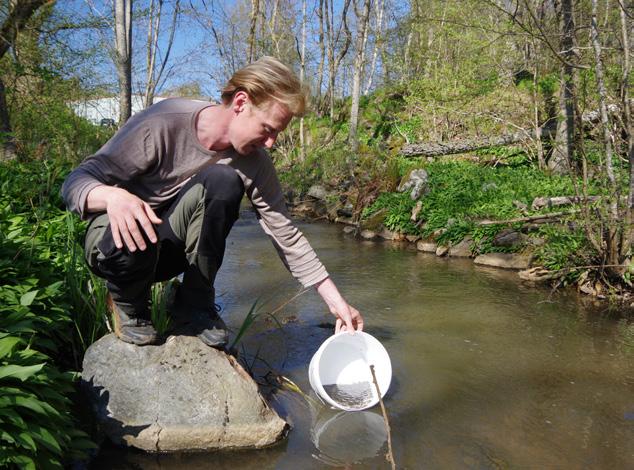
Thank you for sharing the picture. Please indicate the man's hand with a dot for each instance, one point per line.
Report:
(128, 215)
(348, 317)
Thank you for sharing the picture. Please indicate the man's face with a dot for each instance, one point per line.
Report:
(256, 127)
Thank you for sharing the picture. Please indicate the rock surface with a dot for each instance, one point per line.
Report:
(178, 396)
(462, 249)
(504, 260)
(426, 246)
(318, 192)
(416, 182)
(442, 250)
(368, 234)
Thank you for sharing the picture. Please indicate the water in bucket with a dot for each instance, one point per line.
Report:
(339, 371)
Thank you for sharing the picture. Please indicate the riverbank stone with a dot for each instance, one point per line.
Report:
(368, 234)
(178, 396)
(462, 249)
(442, 250)
(504, 260)
(318, 192)
(426, 246)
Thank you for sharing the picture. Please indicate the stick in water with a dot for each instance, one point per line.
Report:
(390, 455)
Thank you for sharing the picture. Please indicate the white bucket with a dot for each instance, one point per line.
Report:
(340, 375)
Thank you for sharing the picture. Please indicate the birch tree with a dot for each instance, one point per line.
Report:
(335, 52)
(255, 9)
(611, 241)
(123, 56)
(155, 70)
(628, 236)
(362, 28)
(302, 77)
(562, 157)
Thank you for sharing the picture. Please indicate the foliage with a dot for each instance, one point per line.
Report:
(47, 319)
(461, 193)
(565, 249)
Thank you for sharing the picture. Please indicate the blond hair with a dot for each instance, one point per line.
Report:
(264, 80)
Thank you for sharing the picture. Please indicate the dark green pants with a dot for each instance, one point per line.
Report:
(191, 240)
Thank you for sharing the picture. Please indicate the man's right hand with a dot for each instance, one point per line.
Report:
(128, 215)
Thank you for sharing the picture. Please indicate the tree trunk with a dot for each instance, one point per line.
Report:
(333, 41)
(378, 43)
(436, 149)
(611, 242)
(154, 76)
(302, 76)
(362, 28)
(628, 236)
(8, 149)
(255, 8)
(123, 57)
(563, 151)
(322, 57)
(20, 11)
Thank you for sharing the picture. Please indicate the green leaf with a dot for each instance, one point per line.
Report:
(7, 343)
(27, 299)
(29, 402)
(20, 372)
(25, 462)
(44, 437)
(26, 440)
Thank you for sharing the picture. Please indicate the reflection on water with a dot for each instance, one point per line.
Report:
(487, 372)
(342, 437)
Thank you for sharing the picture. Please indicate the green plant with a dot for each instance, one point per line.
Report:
(566, 249)
(162, 296)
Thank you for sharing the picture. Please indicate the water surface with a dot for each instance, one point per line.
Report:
(487, 372)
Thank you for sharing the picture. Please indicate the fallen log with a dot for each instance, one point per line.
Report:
(435, 149)
(533, 218)
(556, 201)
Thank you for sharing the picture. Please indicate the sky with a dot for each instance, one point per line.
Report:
(188, 61)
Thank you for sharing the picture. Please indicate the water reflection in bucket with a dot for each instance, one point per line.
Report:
(343, 437)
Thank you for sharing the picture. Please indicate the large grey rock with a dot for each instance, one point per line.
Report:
(178, 396)
(504, 260)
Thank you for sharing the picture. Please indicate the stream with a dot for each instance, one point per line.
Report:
(487, 372)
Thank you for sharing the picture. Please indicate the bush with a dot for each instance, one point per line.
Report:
(47, 319)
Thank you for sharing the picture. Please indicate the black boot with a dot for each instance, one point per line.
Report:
(198, 318)
(131, 329)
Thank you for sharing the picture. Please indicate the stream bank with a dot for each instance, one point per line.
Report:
(516, 244)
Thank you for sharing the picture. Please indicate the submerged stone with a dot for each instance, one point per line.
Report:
(504, 260)
(178, 396)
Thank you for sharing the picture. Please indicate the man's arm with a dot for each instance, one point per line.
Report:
(348, 317)
(127, 213)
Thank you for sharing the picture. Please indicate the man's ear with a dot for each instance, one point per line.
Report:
(240, 101)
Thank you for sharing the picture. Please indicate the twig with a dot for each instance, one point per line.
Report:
(390, 455)
(284, 304)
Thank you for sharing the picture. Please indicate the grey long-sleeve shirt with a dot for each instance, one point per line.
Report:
(156, 152)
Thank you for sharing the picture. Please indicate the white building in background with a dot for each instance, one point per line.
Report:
(106, 108)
